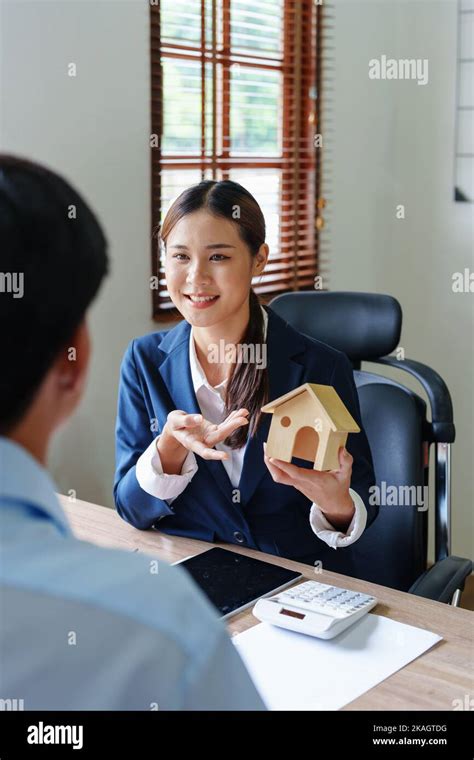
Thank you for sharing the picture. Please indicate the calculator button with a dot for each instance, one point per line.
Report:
(329, 600)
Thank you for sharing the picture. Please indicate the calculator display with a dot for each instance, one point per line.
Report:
(292, 613)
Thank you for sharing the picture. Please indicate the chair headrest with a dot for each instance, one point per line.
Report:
(363, 325)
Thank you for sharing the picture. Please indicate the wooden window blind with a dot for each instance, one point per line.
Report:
(234, 95)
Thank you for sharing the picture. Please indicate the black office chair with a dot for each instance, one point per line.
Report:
(393, 550)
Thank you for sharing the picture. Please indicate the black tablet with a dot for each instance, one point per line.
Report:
(233, 581)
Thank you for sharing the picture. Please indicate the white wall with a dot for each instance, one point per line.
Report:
(95, 130)
(393, 144)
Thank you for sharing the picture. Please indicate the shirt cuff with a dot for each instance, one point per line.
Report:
(162, 485)
(329, 534)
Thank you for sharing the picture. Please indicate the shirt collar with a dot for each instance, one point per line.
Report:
(197, 373)
(24, 481)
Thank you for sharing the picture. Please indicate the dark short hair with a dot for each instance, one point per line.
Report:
(51, 239)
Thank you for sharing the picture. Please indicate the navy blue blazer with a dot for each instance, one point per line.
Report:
(271, 517)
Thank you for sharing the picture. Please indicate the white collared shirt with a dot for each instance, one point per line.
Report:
(211, 400)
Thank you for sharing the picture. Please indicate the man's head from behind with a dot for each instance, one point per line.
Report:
(53, 257)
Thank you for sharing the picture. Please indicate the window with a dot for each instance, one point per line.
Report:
(464, 159)
(234, 94)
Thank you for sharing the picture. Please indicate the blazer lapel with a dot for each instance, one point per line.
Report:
(175, 369)
(284, 374)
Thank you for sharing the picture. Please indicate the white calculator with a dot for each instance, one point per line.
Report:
(316, 609)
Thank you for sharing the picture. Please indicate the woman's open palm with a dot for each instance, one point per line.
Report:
(199, 435)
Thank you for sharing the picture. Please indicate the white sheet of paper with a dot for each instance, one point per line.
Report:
(293, 671)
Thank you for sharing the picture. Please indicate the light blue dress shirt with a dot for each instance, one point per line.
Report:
(86, 628)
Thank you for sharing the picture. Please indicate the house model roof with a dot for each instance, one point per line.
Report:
(330, 406)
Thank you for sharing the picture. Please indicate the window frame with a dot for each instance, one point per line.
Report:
(301, 92)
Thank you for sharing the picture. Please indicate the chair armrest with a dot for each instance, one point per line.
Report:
(443, 579)
(442, 426)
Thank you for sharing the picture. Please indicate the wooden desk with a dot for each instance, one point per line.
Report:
(431, 682)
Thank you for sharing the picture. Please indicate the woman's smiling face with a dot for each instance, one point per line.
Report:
(209, 268)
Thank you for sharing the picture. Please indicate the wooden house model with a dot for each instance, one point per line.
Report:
(310, 422)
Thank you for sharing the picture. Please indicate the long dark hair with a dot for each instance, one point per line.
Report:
(247, 386)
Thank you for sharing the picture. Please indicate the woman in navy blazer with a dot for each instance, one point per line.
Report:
(213, 239)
